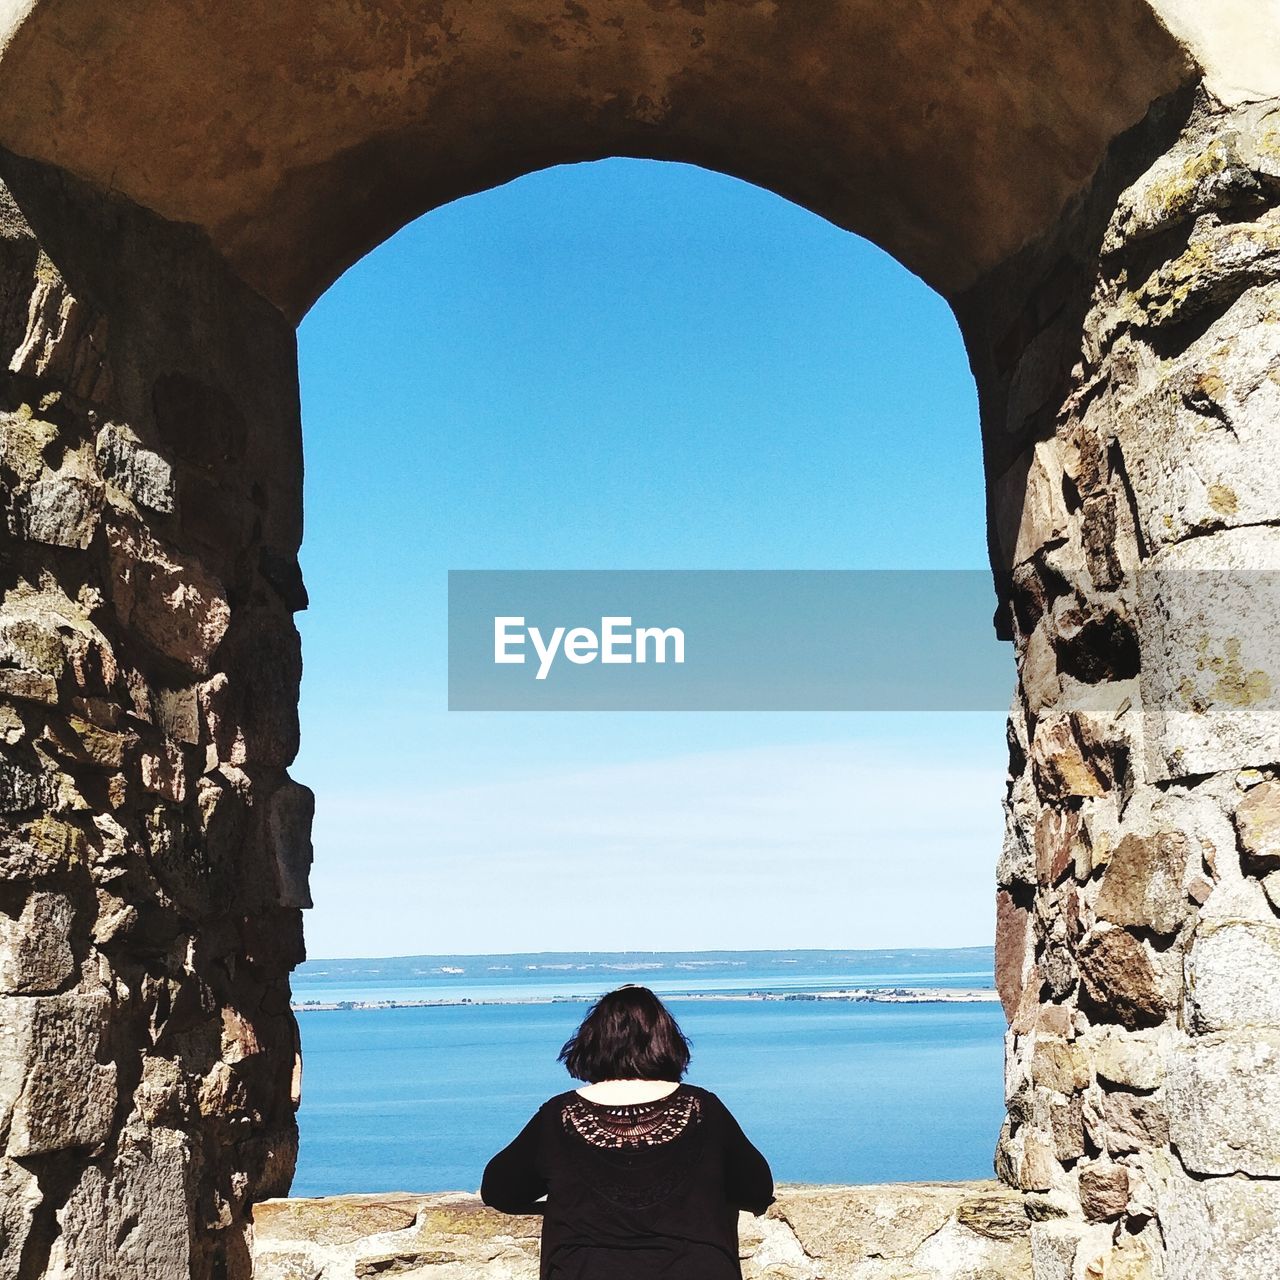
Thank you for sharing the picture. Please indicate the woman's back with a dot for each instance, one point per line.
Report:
(634, 1190)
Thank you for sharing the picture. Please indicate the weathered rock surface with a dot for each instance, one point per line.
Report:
(1214, 704)
(1225, 1227)
(35, 947)
(1224, 1104)
(1258, 822)
(909, 1231)
(1144, 606)
(1127, 978)
(177, 607)
(1233, 975)
(1128, 1061)
(54, 1092)
(1142, 885)
(120, 1220)
(146, 933)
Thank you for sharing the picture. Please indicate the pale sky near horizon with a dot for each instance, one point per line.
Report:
(624, 365)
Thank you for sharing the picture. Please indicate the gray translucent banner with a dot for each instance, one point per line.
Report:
(711, 640)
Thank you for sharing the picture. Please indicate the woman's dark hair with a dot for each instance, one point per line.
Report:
(627, 1035)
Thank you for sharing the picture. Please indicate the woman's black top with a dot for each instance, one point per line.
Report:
(633, 1192)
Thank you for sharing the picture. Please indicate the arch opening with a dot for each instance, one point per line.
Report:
(637, 366)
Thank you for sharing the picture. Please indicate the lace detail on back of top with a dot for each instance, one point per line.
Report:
(648, 1124)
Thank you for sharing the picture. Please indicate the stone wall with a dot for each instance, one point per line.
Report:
(153, 850)
(1130, 372)
(911, 1231)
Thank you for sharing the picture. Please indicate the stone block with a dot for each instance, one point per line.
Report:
(1030, 512)
(1142, 886)
(1134, 1122)
(253, 716)
(55, 1093)
(173, 603)
(162, 1095)
(1012, 950)
(1054, 1245)
(1223, 1095)
(178, 713)
(80, 742)
(1223, 1227)
(1054, 1020)
(64, 339)
(1209, 633)
(836, 1226)
(1186, 182)
(1016, 864)
(1104, 1191)
(1257, 819)
(1136, 1257)
(1063, 768)
(289, 814)
(1198, 445)
(1221, 258)
(28, 686)
(22, 788)
(1038, 672)
(1100, 822)
(29, 637)
(140, 473)
(1237, 898)
(1066, 1120)
(164, 771)
(1057, 837)
(19, 1198)
(1058, 962)
(133, 1219)
(1028, 1012)
(973, 1244)
(23, 440)
(42, 848)
(1039, 1164)
(1125, 980)
(35, 946)
(1233, 976)
(1059, 1065)
(61, 511)
(13, 728)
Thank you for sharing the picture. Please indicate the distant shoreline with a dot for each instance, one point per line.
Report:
(850, 995)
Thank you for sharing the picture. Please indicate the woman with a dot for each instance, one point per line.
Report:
(643, 1175)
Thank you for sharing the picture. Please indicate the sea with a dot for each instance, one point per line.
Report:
(417, 1069)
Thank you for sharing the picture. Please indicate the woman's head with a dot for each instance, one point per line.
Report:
(627, 1035)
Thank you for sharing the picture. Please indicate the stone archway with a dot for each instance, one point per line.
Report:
(1097, 195)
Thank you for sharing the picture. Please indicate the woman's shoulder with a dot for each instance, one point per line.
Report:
(558, 1100)
(710, 1104)
(704, 1095)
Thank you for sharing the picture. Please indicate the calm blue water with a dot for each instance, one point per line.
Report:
(564, 974)
(418, 1099)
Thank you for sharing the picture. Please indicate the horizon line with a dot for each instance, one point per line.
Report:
(665, 951)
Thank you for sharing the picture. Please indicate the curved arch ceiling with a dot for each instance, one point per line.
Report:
(300, 133)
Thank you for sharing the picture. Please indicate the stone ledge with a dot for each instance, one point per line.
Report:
(901, 1231)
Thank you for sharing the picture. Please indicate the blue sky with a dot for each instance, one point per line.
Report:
(629, 365)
